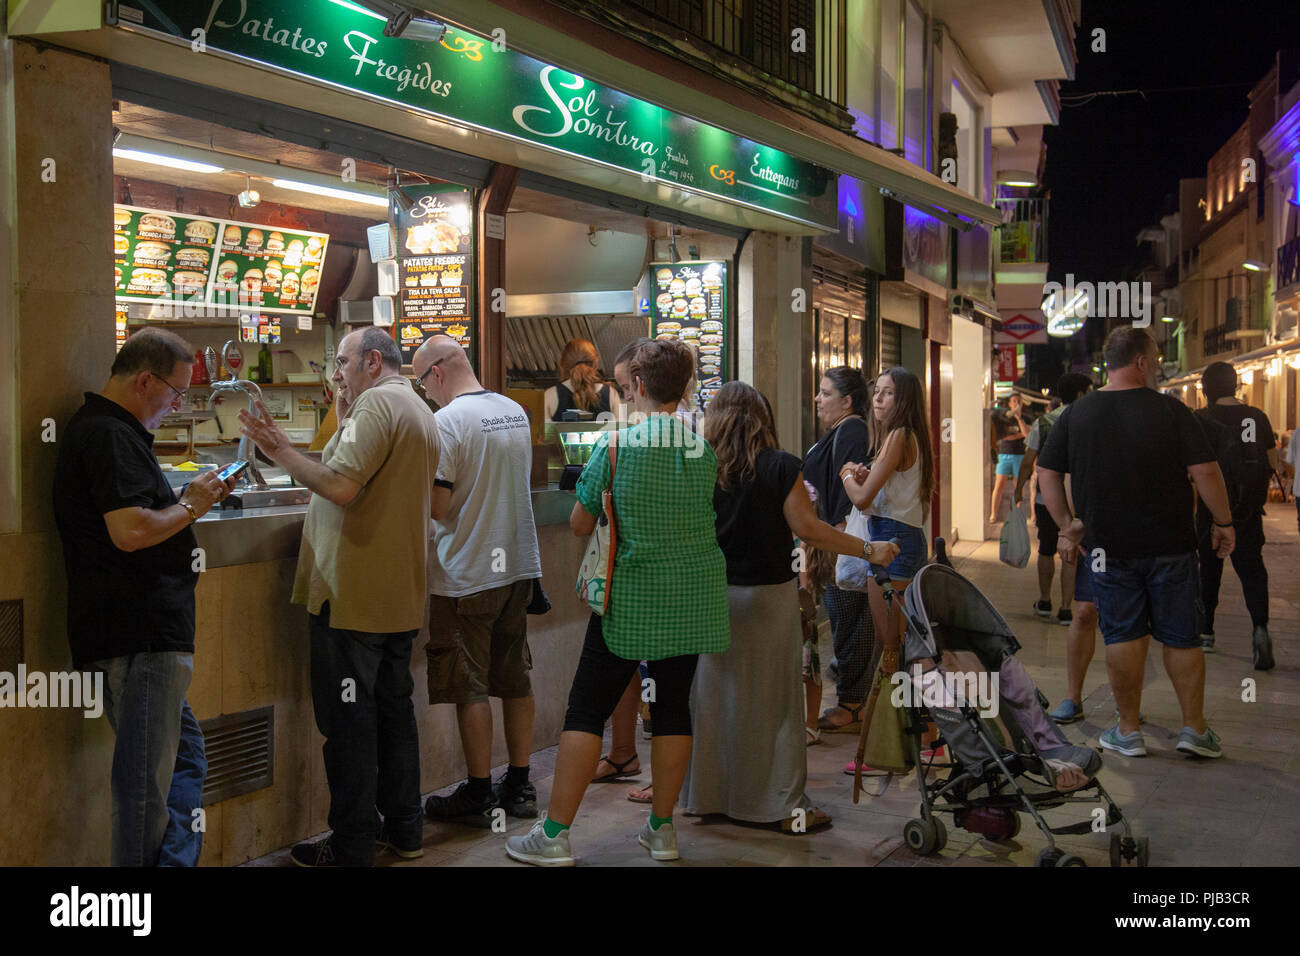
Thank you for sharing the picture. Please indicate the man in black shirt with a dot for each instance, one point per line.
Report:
(1129, 452)
(1250, 439)
(129, 554)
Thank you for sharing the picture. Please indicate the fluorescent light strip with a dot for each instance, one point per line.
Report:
(157, 159)
(163, 153)
(360, 9)
(367, 198)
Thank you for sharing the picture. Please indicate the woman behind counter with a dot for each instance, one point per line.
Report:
(581, 387)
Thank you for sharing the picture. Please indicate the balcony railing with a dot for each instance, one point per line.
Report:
(1024, 230)
(762, 33)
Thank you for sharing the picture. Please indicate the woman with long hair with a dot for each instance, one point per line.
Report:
(842, 408)
(749, 758)
(895, 491)
(581, 386)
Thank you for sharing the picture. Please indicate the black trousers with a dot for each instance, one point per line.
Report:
(372, 748)
(603, 676)
(1247, 561)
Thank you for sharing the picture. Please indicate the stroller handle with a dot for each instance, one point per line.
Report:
(880, 572)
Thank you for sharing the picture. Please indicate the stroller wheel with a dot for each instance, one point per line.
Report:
(1070, 860)
(1116, 853)
(1015, 827)
(1049, 856)
(924, 836)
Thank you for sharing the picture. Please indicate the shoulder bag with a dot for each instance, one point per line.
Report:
(596, 573)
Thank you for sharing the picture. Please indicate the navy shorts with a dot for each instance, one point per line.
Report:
(912, 551)
(1083, 580)
(1048, 532)
(1158, 596)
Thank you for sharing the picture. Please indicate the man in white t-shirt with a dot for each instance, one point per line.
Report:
(483, 564)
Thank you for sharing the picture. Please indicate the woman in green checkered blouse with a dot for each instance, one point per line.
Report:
(667, 602)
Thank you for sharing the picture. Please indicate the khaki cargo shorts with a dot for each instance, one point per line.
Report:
(478, 645)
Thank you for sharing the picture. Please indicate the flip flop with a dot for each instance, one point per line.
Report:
(619, 773)
(852, 727)
(646, 794)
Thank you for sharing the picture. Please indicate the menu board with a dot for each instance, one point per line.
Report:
(162, 255)
(688, 302)
(435, 266)
(120, 329)
(157, 252)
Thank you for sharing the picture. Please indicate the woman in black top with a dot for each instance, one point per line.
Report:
(581, 388)
(749, 758)
(842, 405)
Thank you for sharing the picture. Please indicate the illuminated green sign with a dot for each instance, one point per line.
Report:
(470, 81)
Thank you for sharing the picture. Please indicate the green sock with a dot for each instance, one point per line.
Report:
(553, 829)
(657, 822)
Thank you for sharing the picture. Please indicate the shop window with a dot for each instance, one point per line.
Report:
(967, 140)
(890, 28)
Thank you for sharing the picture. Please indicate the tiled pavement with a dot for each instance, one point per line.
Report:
(1240, 810)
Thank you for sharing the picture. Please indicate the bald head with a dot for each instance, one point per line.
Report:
(442, 367)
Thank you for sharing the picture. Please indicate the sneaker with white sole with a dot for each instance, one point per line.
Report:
(539, 849)
(1130, 745)
(1043, 608)
(661, 843)
(1201, 745)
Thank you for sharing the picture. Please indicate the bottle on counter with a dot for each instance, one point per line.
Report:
(264, 365)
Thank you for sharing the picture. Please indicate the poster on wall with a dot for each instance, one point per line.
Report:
(163, 255)
(688, 302)
(435, 266)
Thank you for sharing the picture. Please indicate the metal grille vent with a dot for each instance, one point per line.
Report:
(241, 753)
(11, 635)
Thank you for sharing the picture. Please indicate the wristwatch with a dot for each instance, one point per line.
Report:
(194, 515)
(866, 550)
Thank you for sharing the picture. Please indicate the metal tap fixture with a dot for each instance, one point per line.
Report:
(252, 477)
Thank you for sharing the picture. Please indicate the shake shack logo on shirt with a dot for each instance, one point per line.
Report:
(503, 423)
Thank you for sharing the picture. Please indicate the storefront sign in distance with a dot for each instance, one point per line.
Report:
(473, 82)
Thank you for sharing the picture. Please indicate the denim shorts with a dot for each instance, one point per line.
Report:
(1158, 596)
(1083, 579)
(911, 545)
(1009, 464)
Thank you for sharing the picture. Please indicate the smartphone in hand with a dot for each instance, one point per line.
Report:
(233, 470)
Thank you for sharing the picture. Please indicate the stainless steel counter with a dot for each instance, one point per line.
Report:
(246, 536)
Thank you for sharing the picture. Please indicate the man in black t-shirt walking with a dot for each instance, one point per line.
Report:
(1129, 452)
(1253, 449)
(129, 554)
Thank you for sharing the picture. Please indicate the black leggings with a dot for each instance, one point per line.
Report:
(602, 678)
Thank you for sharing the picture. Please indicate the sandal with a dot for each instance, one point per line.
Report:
(852, 726)
(619, 773)
(642, 794)
(809, 820)
(814, 735)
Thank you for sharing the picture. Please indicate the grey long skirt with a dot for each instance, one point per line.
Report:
(749, 756)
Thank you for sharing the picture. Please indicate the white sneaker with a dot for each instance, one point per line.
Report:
(661, 843)
(539, 849)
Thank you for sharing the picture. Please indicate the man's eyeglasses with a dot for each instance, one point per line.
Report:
(419, 382)
(180, 395)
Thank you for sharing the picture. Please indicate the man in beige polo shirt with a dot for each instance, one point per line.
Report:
(361, 574)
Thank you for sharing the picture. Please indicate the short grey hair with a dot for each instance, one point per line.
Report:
(375, 339)
(152, 350)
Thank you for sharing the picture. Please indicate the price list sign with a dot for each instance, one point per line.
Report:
(689, 303)
(157, 253)
(435, 248)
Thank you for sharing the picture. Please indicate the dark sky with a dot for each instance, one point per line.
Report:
(1111, 162)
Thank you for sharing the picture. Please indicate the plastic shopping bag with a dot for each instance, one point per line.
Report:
(854, 574)
(1013, 546)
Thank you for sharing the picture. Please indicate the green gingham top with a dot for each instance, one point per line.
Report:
(669, 593)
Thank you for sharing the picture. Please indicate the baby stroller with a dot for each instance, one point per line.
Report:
(1012, 758)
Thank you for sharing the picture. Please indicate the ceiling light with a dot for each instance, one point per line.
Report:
(157, 159)
(1168, 318)
(1255, 265)
(358, 8)
(1015, 177)
(368, 198)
